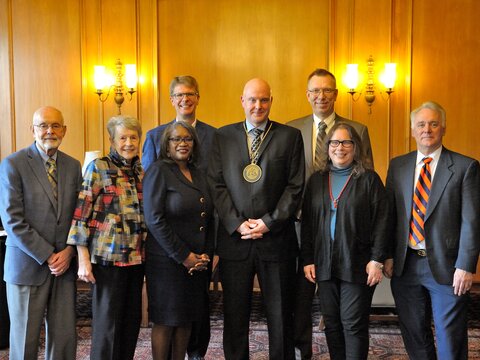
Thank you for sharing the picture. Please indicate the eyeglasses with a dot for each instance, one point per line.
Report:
(325, 91)
(54, 127)
(178, 140)
(188, 95)
(346, 143)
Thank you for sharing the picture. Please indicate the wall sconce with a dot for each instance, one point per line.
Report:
(387, 78)
(103, 80)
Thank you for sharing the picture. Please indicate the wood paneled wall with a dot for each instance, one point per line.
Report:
(48, 49)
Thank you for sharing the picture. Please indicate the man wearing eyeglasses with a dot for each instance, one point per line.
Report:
(321, 93)
(185, 96)
(38, 192)
(256, 177)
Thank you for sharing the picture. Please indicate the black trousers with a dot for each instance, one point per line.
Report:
(116, 311)
(346, 310)
(237, 283)
(302, 314)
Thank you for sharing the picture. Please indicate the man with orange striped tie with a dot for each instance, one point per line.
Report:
(435, 203)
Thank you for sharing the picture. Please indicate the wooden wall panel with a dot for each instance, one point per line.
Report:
(227, 42)
(7, 119)
(445, 66)
(46, 67)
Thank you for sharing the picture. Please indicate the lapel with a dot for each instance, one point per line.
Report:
(443, 173)
(242, 142)
(306, 130)
(178, 173)
(407, 172)
(200, 130)
(267, 138)
(61, 180)
(35, 162)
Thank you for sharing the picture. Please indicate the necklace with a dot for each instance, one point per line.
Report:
(335, 200)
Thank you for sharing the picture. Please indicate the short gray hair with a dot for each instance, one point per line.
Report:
(128, 122)
(432, 105)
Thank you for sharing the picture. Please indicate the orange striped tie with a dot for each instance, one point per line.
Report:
(420, 201)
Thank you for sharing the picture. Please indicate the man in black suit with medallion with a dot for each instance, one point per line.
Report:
(256, 175)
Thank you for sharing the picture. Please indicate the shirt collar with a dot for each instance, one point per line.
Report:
(328, 120)
(434, 155)
(44, 155)
(250, 127)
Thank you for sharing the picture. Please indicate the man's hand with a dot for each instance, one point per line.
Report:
(309, 271)
(388, 268)
(60, 262)
(252, 229)
(374, 271)
(462, 281)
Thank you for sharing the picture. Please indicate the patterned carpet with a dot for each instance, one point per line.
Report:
(385, 338)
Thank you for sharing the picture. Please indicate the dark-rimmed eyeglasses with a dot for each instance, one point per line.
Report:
(346, 143)
(178, 140)
(325, 91)
(188, 95)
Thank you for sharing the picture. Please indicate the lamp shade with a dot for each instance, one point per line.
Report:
(351, 76)
(131, 76)
(100, 77)
(389, 75)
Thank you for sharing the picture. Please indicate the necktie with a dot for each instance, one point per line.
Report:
(257, 140)
(420, 201)
(52, 175)
(318, 146)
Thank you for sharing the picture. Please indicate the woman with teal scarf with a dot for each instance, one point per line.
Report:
(344, 227)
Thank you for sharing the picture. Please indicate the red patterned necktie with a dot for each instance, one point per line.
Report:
(420, 201)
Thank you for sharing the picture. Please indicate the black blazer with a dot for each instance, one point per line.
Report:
(452, 226)
(178, 213)
(360, 232)
(274, 198)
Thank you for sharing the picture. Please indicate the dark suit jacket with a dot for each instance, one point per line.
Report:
(274, 198)
(305, 125)
(151, 147)
(178, 213)
(37, 225)
(360, 232)
(452, 226)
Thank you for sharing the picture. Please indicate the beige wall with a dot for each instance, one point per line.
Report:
(48, 49)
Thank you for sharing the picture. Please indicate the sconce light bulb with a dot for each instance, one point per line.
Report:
(351, 77)
(99, 77)
(389, 75)
(131, 76)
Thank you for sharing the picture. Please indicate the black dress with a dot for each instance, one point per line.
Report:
(179, 217)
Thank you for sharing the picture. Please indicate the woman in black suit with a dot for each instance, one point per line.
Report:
(179, 217)
(344, 222)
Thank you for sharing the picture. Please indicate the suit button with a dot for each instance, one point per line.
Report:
(202, 200)
(201, 228)
(203, 214)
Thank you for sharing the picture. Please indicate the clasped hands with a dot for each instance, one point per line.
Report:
(59, 262)
(252, 229)
(196, 262)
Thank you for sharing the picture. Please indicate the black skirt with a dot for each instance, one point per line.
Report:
(175, 298)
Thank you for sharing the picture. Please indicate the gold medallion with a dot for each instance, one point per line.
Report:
(252, 173)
